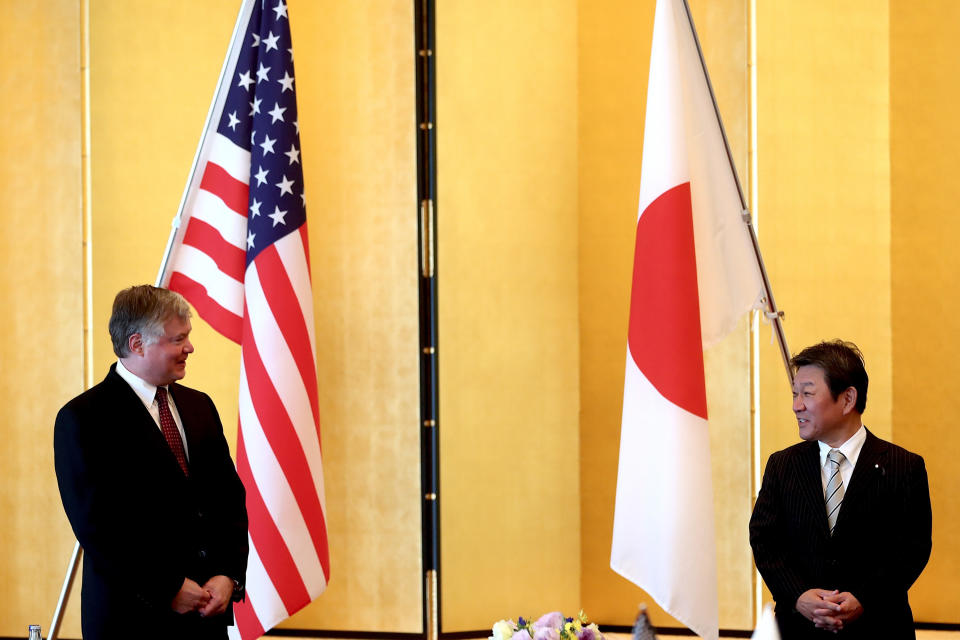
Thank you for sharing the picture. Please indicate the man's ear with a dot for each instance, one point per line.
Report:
(849, 398)
(135, 344)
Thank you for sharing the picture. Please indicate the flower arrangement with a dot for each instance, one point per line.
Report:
(550, 626)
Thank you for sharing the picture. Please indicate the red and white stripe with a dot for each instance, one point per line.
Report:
(278, 453)
(694, 275)
(267, 308)
(208, 262)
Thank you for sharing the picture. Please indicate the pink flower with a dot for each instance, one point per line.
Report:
(523, 634)
(546, 633)
(552, 620)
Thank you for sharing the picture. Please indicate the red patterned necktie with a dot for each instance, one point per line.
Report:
(170, 431)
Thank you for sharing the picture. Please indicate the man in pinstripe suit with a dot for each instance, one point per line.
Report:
(842, 524)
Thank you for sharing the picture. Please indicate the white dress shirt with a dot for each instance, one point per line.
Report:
(850, 450)
(148, 396)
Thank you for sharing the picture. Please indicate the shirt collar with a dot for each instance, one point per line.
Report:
(145, 391)
(850, 449)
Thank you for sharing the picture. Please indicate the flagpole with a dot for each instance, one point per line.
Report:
(772, 313)
(219, 97)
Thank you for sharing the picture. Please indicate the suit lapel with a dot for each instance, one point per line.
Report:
(812, 485)
(871, 458)
(132, 405)
(141, 418)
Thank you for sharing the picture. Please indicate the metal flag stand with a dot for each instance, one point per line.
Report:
(65, 591)
(772, 313)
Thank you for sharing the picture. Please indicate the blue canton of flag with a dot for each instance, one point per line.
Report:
(260, 115)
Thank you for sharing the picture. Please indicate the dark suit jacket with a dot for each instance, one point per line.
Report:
(143, 525)
(880, 544)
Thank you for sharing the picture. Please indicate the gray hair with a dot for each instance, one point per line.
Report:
(143, 309)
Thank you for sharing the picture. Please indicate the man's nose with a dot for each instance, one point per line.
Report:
(188, 347)
(798, 404)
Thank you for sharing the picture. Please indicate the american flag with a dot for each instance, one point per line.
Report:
(239, 254)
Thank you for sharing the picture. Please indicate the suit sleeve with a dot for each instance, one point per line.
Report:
(919, 538)
(99, 512)
(908, 540)
(231, 543)
(773, 560)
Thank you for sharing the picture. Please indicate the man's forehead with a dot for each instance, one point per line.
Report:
(809, 375)
(176, 325)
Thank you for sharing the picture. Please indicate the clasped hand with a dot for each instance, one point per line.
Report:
(829, 610)
(209, 600)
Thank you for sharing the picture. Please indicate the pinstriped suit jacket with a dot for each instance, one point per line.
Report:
(880, 545)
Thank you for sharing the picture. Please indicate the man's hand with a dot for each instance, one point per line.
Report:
(219, 588)
(848, 607)
(191, 597)
(819, 606)
(829, 610)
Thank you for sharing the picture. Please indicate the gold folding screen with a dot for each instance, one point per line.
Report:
(540, 122)
(41, 357)
(508, 338)
(924, 191)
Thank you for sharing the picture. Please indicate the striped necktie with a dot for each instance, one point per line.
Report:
(834, 493)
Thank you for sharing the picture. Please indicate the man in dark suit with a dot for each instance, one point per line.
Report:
(148, 485)
(842, 525)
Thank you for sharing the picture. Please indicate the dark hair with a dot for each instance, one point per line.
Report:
(842, 366)
(143, 309)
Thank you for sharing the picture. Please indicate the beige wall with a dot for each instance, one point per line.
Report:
(824, 201)
(355, 80)
(508, 342)
(924, 138)
(540, 131)
(40, 282)
(824, 193)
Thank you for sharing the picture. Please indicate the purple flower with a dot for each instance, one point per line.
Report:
(586, 634)
(553, 620)
(523, 634)
(546, 633)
